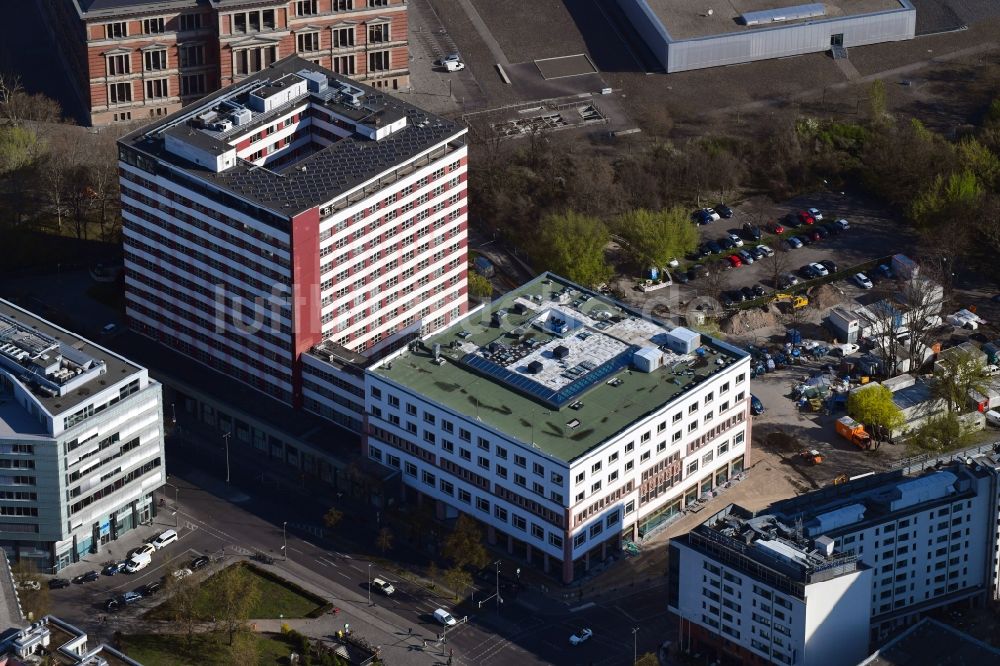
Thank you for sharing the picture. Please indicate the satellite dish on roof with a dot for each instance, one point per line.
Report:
(709, 12)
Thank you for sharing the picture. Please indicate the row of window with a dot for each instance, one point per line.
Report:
(311, 41)
(152, 26)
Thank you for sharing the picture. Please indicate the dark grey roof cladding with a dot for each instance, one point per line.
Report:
(329, 172)
(111, 6)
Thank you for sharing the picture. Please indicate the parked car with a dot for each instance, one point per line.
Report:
(181, 573)
(745, 257)
(112, 605)
(885, 271)
(146, 548)
(819, 270)
(756, 406)
(454, 66)
(701, 216)
(807, 272)
(737, 241)
(787, 280)
(843, 224)
(713, 247)
(747, 294)
(88, 577)
(814, 235)
(27, 584)
(759, 290)
(199, 562)
(165, 539)
(131, 597)
(756, 253)
(830, 266)
(726, 243)
(816, 215)
(804, 239)
(768, 252)
(724, 210)
(776, 228)
(673, 263)
(751, 232)
(823, 233)
(149, 589)
(696, 271)
(805, 217)
(727, 300)
(794, 242)
(451, 57)
(111, 568)
(383, 586)
(581, 636)
(792, 221)
(57, 583)
(863, 281)
(734, 261)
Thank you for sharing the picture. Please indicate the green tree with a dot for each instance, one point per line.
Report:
(464, 546)
(941, 433)
(655, 237)
(332, 517)
(183, 603)
(873, 406)
(384, 540)
(237, 593)
(957, 373)
(243, 649)
(877, 101)
(479, 286)
(458, 580)
(948, 197)
(572, 245)
(19, 147)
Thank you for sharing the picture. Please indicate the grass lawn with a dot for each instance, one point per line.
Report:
(275, 600)
(205, 650)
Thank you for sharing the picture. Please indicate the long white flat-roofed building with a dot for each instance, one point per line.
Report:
(818, 578)
(291, 209)
(81, 442)
(562, 420)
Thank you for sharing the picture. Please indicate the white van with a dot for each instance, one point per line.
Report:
(165, 539)
(444, 617)
(138, 562)
(993, 418)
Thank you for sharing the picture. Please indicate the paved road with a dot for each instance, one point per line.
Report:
(243, 518)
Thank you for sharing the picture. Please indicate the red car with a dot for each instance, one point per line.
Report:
(806, 218)
(815, 235)
(776, 228)
(734, 261)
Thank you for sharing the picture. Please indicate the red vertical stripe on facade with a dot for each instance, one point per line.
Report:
(306, 324)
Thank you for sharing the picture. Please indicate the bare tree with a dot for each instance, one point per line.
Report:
(887, 318)
(237, 594)
(18, 107)
(716, 280)
(776, 264)
(923, 298)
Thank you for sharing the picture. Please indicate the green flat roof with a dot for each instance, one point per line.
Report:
(601, 409)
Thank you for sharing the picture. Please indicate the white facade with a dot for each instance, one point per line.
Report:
(919, 543)
(824, 623)
(569, 509)
(78, 467)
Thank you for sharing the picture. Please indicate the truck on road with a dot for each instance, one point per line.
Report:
(854, 432)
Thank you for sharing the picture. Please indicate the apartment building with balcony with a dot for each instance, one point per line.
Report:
(294, 208)
(818, 578)
(561, 420)
(132, 60)
(81, 442)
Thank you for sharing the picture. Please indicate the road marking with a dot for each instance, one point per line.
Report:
(296, 550)
(589, 604)
(332, 564)
(346, 557)
(307, 543)
(341, 573)
(320, 561)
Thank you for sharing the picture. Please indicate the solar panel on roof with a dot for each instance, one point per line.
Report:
(781, 14)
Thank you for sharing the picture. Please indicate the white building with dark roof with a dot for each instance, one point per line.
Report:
(295, 208)
(81, 442)
(849, 563)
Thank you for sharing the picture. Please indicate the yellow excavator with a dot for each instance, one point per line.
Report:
(795, 300)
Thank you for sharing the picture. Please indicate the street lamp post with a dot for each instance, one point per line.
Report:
(226, 437)
(177, 508)
(499, 600)
(369, 583)
(284, 539)
(635, 654)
